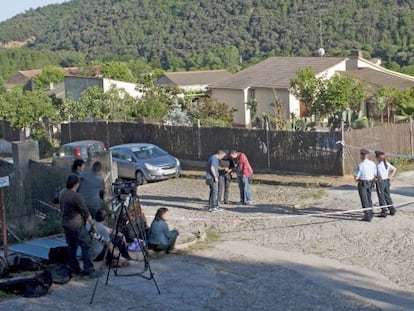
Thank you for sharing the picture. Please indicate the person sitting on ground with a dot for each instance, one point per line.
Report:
(160, 237)
(103, 242)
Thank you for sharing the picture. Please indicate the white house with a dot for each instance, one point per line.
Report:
(270, 79)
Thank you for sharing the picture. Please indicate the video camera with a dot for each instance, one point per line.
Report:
(124, 187)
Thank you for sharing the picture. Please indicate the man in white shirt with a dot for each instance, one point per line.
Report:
(385, 171)
(365, 174)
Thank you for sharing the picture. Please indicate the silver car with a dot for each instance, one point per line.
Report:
(144, 162)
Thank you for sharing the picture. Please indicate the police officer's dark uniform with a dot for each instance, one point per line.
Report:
(365, 174)
(383, 183)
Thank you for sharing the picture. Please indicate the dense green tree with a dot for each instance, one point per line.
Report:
(117, 71)
(307, 87)
(114, 104)
(195, 34)
(2, 85)
(404, 101)
(13, 60)
(153, 106)
(323, 96)
(72, 110)
(27, 109)
(339, 93)
(49, 74)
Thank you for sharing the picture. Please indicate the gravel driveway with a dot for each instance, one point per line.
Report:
(264, 259)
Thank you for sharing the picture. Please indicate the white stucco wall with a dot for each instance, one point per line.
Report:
(236, 99)
(266, 96)
(130, 88)
(327, 74)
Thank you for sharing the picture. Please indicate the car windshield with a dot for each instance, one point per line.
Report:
(147, 152)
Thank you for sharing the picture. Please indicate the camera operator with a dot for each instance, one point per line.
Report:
(104, 242)
(74, 217)
(160, 237)
(92, 188)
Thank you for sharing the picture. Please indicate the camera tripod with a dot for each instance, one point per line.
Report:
(129, 215)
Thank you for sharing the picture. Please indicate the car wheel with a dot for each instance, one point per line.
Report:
(140, 178)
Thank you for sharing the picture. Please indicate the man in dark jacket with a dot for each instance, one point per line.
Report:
(74, 217)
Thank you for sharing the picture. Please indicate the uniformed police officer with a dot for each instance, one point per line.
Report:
(385, 171)
(365, 174)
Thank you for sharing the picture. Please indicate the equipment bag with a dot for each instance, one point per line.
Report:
(60, 274)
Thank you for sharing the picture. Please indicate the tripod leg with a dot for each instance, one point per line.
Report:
(94, 291)
(142, 246)
(117, 230)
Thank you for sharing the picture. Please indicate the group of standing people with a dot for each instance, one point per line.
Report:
(370, 175)
(219, 169)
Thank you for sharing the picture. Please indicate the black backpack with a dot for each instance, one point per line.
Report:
(59, 273)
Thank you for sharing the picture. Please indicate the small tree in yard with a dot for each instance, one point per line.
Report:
(153, 106)
(28, 110)
(211, 113)
(404, 102)
(339, 93)
(383, 98)
(307, 87)
(324, 97)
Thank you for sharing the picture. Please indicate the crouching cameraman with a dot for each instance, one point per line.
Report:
(104, 243)
(160, 237)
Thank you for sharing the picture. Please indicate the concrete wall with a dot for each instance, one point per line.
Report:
(236, 99)
(74, 86)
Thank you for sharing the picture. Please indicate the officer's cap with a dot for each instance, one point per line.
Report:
(379, 154)
(364, 151)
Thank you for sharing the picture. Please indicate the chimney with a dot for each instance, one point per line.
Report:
(352, 62)
(356, 53)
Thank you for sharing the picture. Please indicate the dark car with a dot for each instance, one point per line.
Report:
(83, 149)
(144, 162)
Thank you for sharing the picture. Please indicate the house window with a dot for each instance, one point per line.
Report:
(252, 94)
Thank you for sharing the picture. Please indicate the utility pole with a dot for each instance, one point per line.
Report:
(4, 182)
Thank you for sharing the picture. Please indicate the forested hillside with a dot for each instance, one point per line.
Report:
(190, 34)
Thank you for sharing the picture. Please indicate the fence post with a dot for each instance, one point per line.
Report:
(411, 136)
(198, 139)
(107, 135)
(343, 170)
(267, 144)
(70, 130)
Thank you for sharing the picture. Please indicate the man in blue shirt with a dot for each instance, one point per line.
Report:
(212, 178)
(365, 174)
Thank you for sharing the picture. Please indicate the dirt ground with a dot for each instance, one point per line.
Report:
(383, 245)
(283, 252)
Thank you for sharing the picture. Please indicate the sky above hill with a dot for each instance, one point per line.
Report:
(10, 8)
